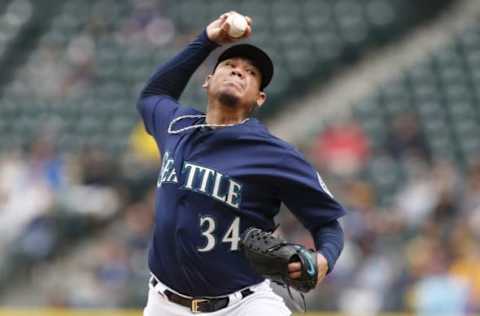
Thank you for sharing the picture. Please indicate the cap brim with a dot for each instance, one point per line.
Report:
(258, 57)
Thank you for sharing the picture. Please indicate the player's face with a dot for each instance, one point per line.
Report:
(236, 81)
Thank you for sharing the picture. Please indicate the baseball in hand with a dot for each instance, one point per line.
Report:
(238, 25)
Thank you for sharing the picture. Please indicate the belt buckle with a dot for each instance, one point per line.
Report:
(195, 303)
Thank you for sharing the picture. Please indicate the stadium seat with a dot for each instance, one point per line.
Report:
(316, 37)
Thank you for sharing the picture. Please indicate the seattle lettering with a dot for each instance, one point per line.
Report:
(202, 180)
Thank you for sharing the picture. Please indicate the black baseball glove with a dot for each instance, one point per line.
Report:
(270, 256)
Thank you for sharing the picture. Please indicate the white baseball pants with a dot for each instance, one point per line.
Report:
(263, 301)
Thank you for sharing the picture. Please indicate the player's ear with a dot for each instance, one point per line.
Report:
(207, 81)
(261, 98)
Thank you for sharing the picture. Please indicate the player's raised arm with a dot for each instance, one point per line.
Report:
(158, 101)
(172, 77)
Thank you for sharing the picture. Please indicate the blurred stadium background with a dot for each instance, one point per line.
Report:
(381, 95)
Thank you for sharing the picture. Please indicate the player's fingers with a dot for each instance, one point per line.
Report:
(294, 267)
(249, 20)
(226, 15)
(295, 275)
(224, 27)
(221, 20)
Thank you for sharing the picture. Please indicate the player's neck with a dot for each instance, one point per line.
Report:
(218, 113)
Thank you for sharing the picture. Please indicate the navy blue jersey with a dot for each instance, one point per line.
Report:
(215, 183)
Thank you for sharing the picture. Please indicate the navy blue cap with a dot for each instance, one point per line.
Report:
(257, 56)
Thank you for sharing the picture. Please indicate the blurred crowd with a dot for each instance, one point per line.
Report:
(89, 217)
(83, 39)
(418, 252)
(52, 202)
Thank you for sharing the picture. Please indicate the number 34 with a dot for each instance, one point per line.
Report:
(232, 235)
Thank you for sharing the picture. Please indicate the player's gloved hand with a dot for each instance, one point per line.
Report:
(217, 31)
(284, 263)
(295, 268)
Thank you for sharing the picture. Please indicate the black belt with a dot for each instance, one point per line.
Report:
(199, 304)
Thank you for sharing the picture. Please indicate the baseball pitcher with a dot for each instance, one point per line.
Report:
(223, 177)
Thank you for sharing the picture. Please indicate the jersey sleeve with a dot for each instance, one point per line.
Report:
(158, 102)
(157, 112)
(303, 191)
(300, 187)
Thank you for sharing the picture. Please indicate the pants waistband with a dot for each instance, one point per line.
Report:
(202, 304)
